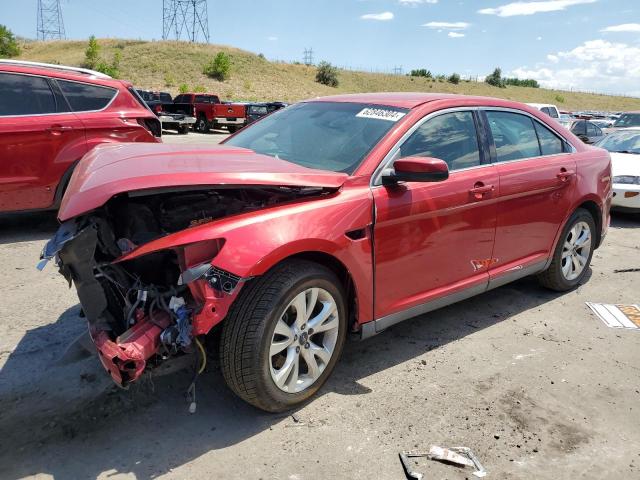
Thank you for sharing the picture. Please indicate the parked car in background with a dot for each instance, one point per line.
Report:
(162, 105)
(269, 238)
(624, 147)
(547, 108)
(626, 120)
(565, 119)
(50, 117)
(603, 123)
(256, 111)
(586, 130)
(210, 112)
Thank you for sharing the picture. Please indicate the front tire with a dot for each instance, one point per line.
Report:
(202, 125)
(283, 335)
(573, 253)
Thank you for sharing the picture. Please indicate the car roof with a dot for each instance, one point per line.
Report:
(58, 71)
(414, 99)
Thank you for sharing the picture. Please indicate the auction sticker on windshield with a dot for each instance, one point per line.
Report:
(381, 114)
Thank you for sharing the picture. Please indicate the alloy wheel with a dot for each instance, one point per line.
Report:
(575, 251)
(304, 340)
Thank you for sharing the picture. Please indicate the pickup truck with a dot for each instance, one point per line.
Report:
(171, 117)
(210, 112)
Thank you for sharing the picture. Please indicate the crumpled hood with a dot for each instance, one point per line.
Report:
(118, 168)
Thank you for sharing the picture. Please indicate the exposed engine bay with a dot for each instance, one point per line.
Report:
(147, 309)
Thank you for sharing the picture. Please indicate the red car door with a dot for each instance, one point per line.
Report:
(39, 140)
(435, 240)
(537, 178)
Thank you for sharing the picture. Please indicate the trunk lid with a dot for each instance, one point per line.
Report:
(109, 170)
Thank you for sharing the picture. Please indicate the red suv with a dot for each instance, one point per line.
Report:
(341, 214)
(50, 116)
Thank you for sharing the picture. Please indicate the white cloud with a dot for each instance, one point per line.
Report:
(596, 65)
(415, 3)
(538, 38)
(455, 35)
(531, 8)
(625, 27)
(384, 16)
(272, 39)
(447, 25)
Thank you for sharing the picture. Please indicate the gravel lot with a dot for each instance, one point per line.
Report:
(530, 380)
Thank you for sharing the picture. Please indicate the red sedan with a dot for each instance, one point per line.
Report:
(342, 214)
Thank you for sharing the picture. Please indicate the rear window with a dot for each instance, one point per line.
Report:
(165, 97)
(258, 109)
(25, 95)
(201, 99)
(86, 98)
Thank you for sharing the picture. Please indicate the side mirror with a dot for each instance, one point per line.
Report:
(416, 169)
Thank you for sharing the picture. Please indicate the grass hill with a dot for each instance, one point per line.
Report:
(160, 65)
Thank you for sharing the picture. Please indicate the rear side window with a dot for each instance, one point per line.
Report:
(592, 130)
(84, 97)
(514, 136)
(450, 137)
(550, 143)
(25, 95)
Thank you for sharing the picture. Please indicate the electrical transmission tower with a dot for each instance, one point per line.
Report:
(50, 23)
(397, 70)
(308, 56)
(188, 18)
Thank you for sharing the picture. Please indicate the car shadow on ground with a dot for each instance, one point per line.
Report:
(27, 227)
(625, 220)
(146, 431)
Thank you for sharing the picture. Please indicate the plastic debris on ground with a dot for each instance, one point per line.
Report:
(460, 456)
(617, 316)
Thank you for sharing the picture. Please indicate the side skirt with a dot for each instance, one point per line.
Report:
(370, 329)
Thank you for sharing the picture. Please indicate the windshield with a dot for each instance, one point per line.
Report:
(623, 142)
(321, 135)
(628, 120)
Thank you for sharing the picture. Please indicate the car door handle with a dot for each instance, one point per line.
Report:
(479, 190)
(565, 175)
(59, 128)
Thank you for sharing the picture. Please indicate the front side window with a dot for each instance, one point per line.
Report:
(84, 97)
(331, 136)
(514, 136)
(550, 143)
(450, 137)
(25, 95)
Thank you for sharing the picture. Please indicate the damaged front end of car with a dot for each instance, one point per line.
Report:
(142, 307)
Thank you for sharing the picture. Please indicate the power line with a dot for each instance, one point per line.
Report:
(50, 25)
(308, 56)
(185, 18)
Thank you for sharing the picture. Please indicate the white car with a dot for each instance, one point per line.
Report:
(547, 108)
(624, 147)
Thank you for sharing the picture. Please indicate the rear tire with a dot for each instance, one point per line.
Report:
(232, 129)
(183, 129)
(262, 362)
(573, 253)
(202, 124)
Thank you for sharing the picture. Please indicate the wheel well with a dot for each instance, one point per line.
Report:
(594, 210)
(62, 184)
(341, 271)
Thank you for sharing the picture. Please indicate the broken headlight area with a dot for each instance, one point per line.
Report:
(146, 309)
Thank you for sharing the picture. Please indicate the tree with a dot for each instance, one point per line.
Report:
(495, 79)
(219, 67)
(454, 78)
(327, 74)
(8, 45)
(92, 53)
(421, 72)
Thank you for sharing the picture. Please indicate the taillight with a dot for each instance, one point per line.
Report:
(157, 108)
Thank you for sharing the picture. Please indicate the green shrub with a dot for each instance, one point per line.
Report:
(495, 79)
(559, 99)
(454, 78)
(8, 44)
(421, 72)
(327, 74)
(92, 53)
(183, 88)
(199, 89)
(219, 67)
(112, 69)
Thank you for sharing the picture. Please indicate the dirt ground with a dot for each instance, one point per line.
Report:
(529, 379)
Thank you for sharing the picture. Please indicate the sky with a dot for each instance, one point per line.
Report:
(588, 45)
